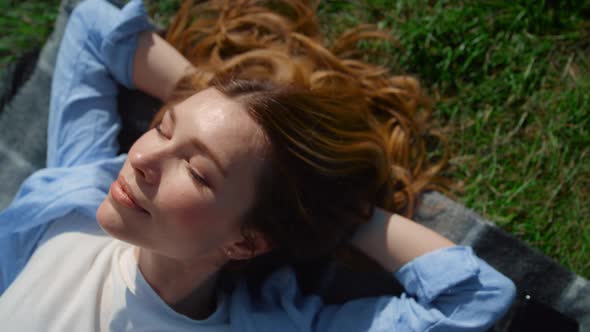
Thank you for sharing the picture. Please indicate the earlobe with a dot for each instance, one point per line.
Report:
(249, 248)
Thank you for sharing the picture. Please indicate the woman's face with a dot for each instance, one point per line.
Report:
(190, 180)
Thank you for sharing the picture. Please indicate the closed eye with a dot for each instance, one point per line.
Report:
(161, 123)
(158, 128)
(198, 178)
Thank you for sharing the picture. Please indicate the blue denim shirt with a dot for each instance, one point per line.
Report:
(447, 290)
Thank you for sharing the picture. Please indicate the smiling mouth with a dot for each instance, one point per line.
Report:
(122, 195)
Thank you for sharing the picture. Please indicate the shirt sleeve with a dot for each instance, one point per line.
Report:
(96, 54)
(446, 290)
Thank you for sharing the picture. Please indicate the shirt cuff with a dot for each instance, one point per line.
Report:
(119, 45)
(427, 276)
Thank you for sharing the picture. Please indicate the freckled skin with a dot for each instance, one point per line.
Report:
(186, 219)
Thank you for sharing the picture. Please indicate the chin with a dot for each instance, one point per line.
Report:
(114, 224)
(111, 221)
(108, 218)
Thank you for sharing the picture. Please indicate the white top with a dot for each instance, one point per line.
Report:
(81, 279)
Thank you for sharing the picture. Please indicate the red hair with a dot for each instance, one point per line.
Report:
(344, 135)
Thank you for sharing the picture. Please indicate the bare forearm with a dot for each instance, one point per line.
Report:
(393, 240)
(157, 66)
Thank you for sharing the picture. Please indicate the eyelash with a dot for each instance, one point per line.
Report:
(192, 173)
(197, 177)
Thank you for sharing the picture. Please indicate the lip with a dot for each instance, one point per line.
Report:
(122, 194)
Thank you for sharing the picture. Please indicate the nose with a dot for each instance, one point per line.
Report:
(145, 164)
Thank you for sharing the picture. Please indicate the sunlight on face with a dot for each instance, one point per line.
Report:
(190, 179)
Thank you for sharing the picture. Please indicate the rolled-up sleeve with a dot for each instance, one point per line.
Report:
(450, 289)
(96, 53)
(453, 290)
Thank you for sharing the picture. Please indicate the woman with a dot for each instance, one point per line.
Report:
(233, 171)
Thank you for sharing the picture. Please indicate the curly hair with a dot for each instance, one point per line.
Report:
(345, 135)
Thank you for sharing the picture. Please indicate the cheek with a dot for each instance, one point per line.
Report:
(187, 207)
(194, 226)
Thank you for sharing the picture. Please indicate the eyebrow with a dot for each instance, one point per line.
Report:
(201, 146)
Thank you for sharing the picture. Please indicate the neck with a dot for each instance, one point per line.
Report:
(188, 288)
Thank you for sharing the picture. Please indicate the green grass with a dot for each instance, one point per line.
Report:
(512, 83)
(514, 86)
(23, 25)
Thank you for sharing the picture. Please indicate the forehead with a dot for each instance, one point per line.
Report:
(225, 127)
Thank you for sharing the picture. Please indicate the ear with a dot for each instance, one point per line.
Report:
(248, 248)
